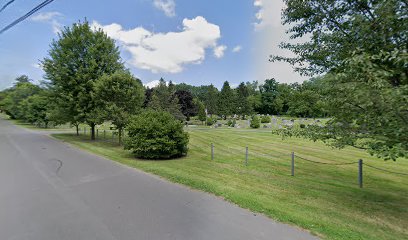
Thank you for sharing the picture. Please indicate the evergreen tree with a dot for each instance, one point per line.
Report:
(243, 104)
(202, 116)
(211, 100)
(164, 99)
(226, 100)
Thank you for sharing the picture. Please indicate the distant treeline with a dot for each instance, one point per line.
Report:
(31, 102)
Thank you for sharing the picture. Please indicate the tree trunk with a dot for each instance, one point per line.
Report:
(77, 129)
(92, 131)
(120, 131)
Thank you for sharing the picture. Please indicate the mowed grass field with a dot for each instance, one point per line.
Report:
(324, 199)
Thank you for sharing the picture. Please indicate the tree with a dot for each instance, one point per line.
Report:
(255, 101)
(35, 109)
(187, 106)
(76, 61)
(119, 96)
(148, 97)
(243, 104)
(337, 28)
(202, 116)
(211, 100)
(269, 97)
(226, 101)
(361, 47)
(308, 99)
(164, 99)
(22, 79)
(16, 95)
(255, 122)
(156, 135)
(367, 111)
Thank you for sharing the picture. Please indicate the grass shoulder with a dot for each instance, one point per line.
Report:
(323, 199)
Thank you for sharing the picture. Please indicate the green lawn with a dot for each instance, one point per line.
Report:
(324, 199)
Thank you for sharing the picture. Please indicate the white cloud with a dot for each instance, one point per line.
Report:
(219, 51)
(269, 13)
(166, 52)
(167, 6)
(46, 16)
(155, 83)
(152, 84)
(36, 65)
(269, 33)
(237, 49)
(51, 18)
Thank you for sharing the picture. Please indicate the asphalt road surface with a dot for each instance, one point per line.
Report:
(53, 191)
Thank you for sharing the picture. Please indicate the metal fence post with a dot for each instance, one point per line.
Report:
(84, 131)
(97, 133)
(246, 156)
(360, 173)
(104, 134)
(293, 163)
(112, 136)
(212, 151)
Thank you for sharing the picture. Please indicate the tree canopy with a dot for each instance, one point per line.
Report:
(361, 48)
(76, 61)
(118, 96)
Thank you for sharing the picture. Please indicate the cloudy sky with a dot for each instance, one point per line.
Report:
(196, 42)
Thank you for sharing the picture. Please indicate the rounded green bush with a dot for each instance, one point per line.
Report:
(265, 119)
(156, 135)
(211, 121)
(255, 122)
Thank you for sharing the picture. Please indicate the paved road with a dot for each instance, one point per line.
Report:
(52, 191)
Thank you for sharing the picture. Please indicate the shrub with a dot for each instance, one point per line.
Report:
(302, 125)
(265, 119)
(229, 123)
(255, 122)
(211, 121)
(156, 135)
(232, 122)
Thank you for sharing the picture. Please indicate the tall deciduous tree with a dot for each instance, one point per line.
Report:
(21, 90)
(35, 109)
(269, 95)
(187, 106)
(362, 46)
(77, 59)
(119, 96)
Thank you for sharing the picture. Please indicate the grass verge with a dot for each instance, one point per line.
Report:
(323, 199)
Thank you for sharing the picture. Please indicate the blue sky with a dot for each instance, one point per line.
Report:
(196, 42)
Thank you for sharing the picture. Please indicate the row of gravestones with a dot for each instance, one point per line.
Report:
(274, 122)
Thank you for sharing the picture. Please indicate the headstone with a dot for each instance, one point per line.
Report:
(274, 121)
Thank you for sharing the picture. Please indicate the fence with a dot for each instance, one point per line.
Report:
(292, 158)
(103, 134)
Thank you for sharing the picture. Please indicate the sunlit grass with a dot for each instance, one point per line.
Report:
(324, 199)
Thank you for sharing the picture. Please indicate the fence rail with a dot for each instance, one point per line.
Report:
(385, 170)
(247, 153)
